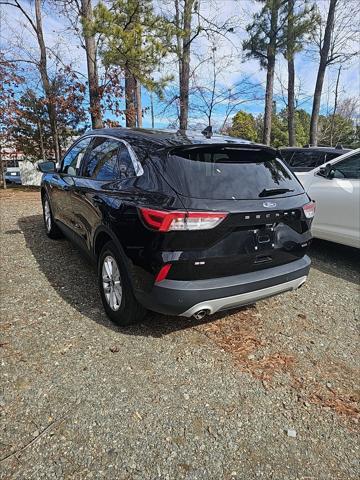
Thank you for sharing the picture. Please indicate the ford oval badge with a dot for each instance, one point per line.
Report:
(269, 204)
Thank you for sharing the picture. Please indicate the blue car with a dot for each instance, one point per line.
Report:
(12, 176)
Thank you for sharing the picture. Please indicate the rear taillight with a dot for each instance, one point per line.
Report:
(163, 221)
(309, 210)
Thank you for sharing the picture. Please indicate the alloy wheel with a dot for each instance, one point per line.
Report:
(47, 214)
(111, 282)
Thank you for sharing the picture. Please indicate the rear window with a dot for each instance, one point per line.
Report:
(224, 172)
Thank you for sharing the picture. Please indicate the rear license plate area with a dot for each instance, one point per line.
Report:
(264, 239)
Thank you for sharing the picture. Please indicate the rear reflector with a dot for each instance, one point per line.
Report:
(163, 272)
(309, 210)
(164, 221)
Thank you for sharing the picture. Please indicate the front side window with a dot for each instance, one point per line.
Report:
(348, 168)
(72, 161)
(109, 159)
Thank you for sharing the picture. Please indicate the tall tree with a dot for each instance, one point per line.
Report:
(79, 14)
(265, 38)
(336, 41)
(189, 22)
(183, 18)
(210, 92)
(300, 22)
(45, 79)
(27, 123)
(10, 82)
(86, 13)
(336, 99)
(324, 57)
(29, 127)
(290, 50)
(37, 26)
(134, 38)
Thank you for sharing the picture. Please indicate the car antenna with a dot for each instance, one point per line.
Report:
(208, 132)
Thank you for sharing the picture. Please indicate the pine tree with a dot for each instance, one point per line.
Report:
(300, 20)
(135, 39)
(265, 39)
(243, 126)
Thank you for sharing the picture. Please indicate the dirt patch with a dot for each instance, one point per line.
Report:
(240, 334)
(255, 348)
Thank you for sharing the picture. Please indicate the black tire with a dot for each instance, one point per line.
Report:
(122, 308)
(52, 230)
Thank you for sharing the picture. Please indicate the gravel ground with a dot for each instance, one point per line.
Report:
(269, 391)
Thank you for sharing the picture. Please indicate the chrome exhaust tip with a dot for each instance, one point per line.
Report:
(302, 283)
(201, 314)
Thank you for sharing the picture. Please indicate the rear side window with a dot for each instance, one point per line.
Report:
(307, 159)
(222, 172)
(126, 166)
(331, 156)
(287, 155)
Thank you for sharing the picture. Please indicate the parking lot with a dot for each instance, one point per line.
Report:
(268, 391)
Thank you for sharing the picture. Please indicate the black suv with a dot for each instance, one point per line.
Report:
(304, 159)
(179, 223)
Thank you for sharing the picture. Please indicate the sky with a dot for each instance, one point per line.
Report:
(15, 36)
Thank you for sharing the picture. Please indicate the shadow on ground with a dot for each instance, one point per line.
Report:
(335, 259)
(74, 279)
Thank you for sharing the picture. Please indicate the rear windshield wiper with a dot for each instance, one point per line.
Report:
(267, 192)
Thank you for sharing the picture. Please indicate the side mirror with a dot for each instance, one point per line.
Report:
(326, 171)
(46, 167)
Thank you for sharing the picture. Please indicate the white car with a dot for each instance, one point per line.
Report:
(335, 187)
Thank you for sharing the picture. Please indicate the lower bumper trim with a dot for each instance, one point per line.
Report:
(241, 299)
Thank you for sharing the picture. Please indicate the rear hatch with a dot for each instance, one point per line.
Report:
(223, 172)
(265, 225)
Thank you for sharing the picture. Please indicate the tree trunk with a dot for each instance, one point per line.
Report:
(291, 74)
(269, 100)
(332, 125)
(2, 170)
(324, 54)
(291, 102)
(41, 140)
(138, 104)
(271, 53)
(152, 110)
(91, 60)
(130, 113)
(51, 106)
(185, 65)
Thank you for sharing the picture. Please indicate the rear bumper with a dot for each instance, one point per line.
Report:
(177, 297)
